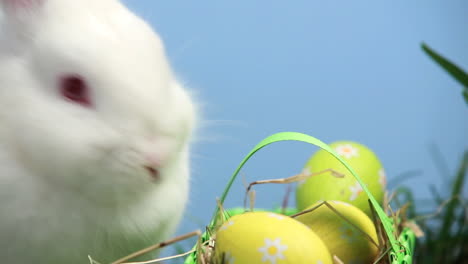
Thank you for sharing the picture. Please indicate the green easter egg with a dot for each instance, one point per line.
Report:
(264, 237)
(351, 236)
(328, 187)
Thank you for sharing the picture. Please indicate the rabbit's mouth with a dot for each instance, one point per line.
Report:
(153, 172)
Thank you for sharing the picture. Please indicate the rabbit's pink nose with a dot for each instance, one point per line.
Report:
(152, 165)
(155, 154)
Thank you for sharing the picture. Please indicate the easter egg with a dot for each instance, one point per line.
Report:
(267, 238)
(325, 186)
(352, 236)
(230, 212)
(240, 210)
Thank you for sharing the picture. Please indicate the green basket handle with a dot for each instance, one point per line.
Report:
(401, 250)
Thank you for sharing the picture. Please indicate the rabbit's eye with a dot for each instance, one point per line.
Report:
(75, 89)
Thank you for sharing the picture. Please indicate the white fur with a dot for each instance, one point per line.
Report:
(72, 180)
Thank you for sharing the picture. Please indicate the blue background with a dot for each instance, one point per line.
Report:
(332, 69)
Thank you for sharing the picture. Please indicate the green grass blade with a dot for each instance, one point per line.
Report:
(455, 71)
(449, 216)
(460, 235)
(435, 194)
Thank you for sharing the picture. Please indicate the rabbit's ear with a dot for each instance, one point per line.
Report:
(20, 15)
(20, 10)
(15, 7)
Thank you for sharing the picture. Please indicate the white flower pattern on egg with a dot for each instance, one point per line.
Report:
(356, 189)
(306, 172)
(277, 216)
(226, 225)
(382, 178)
(347, 151)
(342, 203)
(273, 250)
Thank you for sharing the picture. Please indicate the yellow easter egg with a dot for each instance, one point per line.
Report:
(353, 240)
(327, 187)
(268, 238)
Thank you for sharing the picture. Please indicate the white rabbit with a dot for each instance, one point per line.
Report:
(94, 133)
